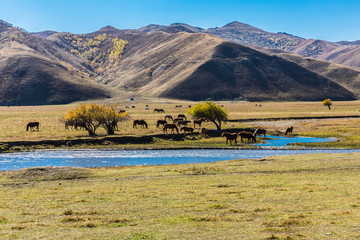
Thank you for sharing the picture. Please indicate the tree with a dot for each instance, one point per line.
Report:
(209, 111)
(327, 102)
(92, 116)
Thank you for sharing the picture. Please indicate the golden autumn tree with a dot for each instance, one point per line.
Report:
(209, 111)
(92, 116)
(328, 103)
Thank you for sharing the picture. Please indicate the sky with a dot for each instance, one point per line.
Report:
(331, 20)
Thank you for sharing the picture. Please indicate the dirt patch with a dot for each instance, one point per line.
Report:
(49, 173)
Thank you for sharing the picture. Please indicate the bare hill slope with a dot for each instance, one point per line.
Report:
(31, 73)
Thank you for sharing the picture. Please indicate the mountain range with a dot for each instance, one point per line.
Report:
(236, 61)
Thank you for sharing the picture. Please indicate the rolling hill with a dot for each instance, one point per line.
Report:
(176, 61)
(31, 72)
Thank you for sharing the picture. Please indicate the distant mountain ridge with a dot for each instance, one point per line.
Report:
(343, 52)
(175, 61)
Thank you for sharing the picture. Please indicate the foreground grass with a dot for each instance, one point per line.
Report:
(284, 197)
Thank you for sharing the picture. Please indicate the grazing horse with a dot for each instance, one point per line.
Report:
(289, 130)
(260, 131)
(187, 129)
(183, 122)
(170, 126)
(203, 132)
(31, 125)
(182, 116)
(178, 106)
(198, 122)
(169, 117)
(176, 120)
(159, 110)
(230, 137)
(247, 135)
(142, 123)
(160, 122)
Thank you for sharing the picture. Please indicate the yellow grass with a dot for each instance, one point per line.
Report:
(284, 197)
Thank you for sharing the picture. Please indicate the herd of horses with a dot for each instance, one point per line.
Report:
(232, 137)
(172, 124)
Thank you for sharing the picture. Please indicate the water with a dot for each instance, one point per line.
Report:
(99, 158)
(281, 141)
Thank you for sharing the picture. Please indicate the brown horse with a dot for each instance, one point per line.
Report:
(247, 135)
(183, 122)
(31, 125)
(289, 130)
(198, 122)
(230, 137)
(142, 123)
(182, 116)
(160, 122)
(187, 129)
(203, 132)
(176, 120)
(169, 117)
(170, 126)
(260, 131)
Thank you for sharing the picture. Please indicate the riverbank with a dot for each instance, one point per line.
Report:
(282, 197)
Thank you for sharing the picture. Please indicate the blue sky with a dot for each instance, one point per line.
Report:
(331, 20)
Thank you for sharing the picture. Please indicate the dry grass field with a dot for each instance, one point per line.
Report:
(284, 197)
(13, 120)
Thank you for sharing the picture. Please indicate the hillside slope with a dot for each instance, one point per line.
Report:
(31, 73)
(199, 66)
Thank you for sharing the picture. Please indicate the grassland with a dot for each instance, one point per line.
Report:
(13, 122)
(284, 197)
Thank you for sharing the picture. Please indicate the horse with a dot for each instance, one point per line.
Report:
(183, 122)
(146, 109)
(170, 126)
(289, 130)
(203, 132)
(142, 123)
(198, 122)
(160, 122)
(178, 106)
(31, 125)
(247, 135)
(230, 137)
(176, 120)
(169, 117)
(159, 110)
(187, 129)
(182, 116)
(260, 131)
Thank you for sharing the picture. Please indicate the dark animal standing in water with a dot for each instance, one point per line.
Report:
(247, 135)
(260, 131)
(230, 137)
(289, 130)
(31, 125)
(142, 123)
(170, 126)
(160, 122)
